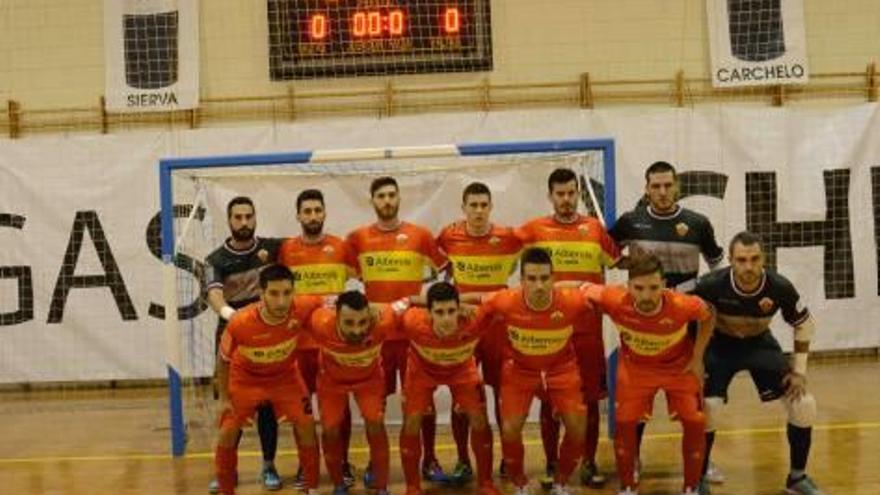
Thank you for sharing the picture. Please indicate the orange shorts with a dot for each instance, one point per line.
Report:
(307, 363)
(394, 355)
(287, 396)
(637, 386)
(561, 385)
(418, 391)
(590, 351)
(333, 400)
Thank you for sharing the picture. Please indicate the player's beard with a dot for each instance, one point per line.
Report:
(387, 213)
(313, 229)
(647, 306)
(539, 299)
(354, 338)
(747, 278)
(566, 210)
(243, 234)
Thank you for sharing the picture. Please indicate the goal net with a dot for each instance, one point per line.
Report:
(195, 191)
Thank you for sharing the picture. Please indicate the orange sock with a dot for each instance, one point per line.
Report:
(379, 456)
(333, 459)
(410, 454)
(570, 453)
(225, 465)
(693, 449)
(625, 452)
(481, 443)
(514, 454)
(309, 460)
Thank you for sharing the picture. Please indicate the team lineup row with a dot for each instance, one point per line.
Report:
(544, 337)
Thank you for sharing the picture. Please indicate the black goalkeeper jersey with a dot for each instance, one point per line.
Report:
(742, 313)
(677, 240)
(237, 273)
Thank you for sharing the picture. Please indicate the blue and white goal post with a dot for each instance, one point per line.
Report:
(194, 192)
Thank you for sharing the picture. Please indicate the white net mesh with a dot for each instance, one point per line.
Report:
(431, 194)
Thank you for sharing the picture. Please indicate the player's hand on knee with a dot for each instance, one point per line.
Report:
(795, 385)
(263, 255)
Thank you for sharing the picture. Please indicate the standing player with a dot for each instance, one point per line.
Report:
(234, 283)
(320, 266)
(257, 366)
(657, 354)
(392, 258)
(441, 352)
(350, 340)
(481, 258)
(541, 362)
(581, 249)
(746, 297)
(676, 235)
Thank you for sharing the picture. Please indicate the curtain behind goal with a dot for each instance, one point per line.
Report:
(430, 191)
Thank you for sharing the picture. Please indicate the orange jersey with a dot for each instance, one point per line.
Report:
(442, 358)
(347, 363)
(538, 340)
(580, 250)
(318, 268)
(480, 264)
(658, 341)
(394, 263)
(259, 350)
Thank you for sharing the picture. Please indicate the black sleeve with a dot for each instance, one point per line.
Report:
(620, 231)
(793, 310)
(705, 289)
(214, 274)
(712, 252)
(273, 246)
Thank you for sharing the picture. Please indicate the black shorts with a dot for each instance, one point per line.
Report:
(761, 356)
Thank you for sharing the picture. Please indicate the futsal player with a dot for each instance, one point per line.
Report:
(392, 258)
(482, 256)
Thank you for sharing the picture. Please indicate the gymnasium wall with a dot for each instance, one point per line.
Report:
(51, 52)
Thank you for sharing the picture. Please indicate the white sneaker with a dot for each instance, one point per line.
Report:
(690, 491)
(714, 474)
(637, 470)
(559, 490)
(522, 490)
(627, 491)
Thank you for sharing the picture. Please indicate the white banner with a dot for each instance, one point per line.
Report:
(80, 279)
(151, 51)
(757, 42)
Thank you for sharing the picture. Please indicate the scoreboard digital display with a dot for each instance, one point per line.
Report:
(346, 38)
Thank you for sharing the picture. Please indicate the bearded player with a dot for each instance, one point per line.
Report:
(393, 258)
(350, 338)
(320, 266)
(657, 353)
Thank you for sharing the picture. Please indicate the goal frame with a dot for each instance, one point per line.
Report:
(167, 167)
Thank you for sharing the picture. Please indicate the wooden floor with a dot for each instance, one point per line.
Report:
(116, 442)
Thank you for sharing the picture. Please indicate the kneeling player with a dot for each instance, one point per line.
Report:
(657, 354)
(257, 366)
(442, 353)
(350, 342)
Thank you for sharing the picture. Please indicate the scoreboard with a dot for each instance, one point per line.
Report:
(346, 38)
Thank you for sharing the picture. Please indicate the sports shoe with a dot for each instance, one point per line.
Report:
(347, 475)
(462, 473)
(522, 490)
(627, 491)
(549, 476)
(340, 490)
(590, 475)
(271, 480)
(382, 492)
(802, 486)
(689, 491)
(369, 477)
(714, 474)
(299, 481)
(411, 490)
(637, 469)
(214, 485)
(703, 487)
(434, 473)
(559, 489)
